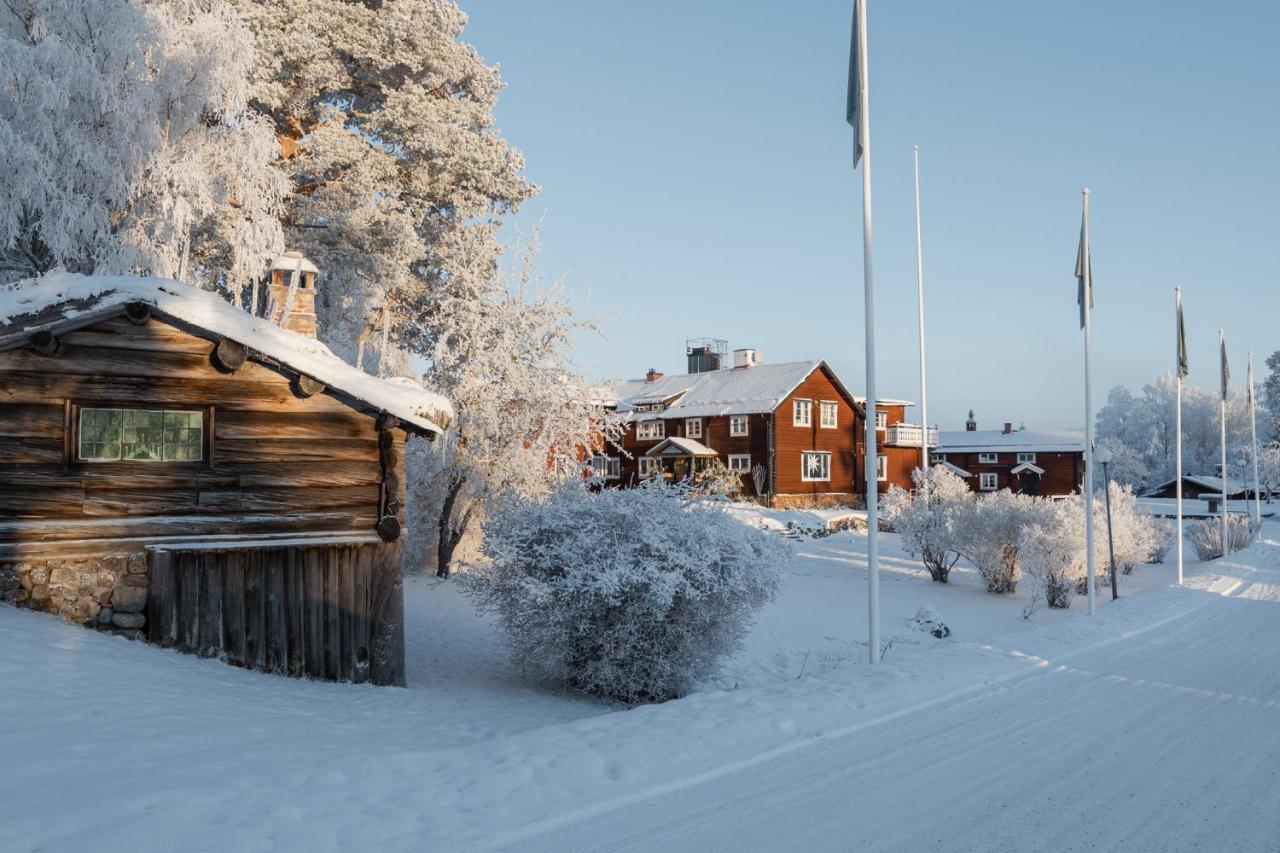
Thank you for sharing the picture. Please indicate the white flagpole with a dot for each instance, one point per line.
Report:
(873, 544)
(924, 392)
(1091, 574)
(1253, 436)
(1222, 350)
(1177, 428)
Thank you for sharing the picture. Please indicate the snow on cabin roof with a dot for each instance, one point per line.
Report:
(64, 301)
(1212, 482)
(997, 441)
(678, 446)
(739, 391)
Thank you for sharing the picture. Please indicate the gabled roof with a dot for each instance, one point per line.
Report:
(677, 446)
(64, 302)
(738, 391)
(955, 469)
(1027, 466)
(999, 441)
(1209, 482)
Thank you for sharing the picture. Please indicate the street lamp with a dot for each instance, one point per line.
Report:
(1104, 457)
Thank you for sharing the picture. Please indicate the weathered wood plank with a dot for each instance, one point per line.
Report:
(39, 420)
(210, 605)
(360, 613)
(236, 452)
(277, 628)
(233, 609)
(255, 612)
(161, 601)
(347, 558)
(292, 424)
(114, 503)
(29, 451)
(295, 612)
(120, 334)
(386, 623)
(314, 616)
(188, 617)
(332, 616)
(41, 501)
(16, 532)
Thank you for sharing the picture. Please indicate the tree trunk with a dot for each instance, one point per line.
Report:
(449, 537)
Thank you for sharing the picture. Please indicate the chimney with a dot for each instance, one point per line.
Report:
(745, 358)
(652, 375)
(971, 425)
(1008, 427)
(302, 308)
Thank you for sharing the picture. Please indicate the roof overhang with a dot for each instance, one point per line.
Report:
(676, 446)
(1027, 466)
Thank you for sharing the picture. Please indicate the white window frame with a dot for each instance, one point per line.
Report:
(648, 466)
(882, 420)
(740, 463)
(825, 476)
(689, 424)
(988, 481)
(802, 413)
(988, 458)
(606, 467)
(1026, 457)
(882, 467)
(651, 430)
(739, 420)
(938, 458)
(832, 408)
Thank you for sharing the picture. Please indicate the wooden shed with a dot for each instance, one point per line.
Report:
(177, 469)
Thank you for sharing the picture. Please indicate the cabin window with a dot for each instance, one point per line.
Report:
(606, 467)
(802, 413)
(649, 467)
(938, 457)
(988, 458)
(141, 435)
(882, 420)
(882, 467)
(740, 463)
(828, 413)
(987, 482)
(693, 427)
(815, 466)
(650, 430)
(738, 425)
(1027, 457)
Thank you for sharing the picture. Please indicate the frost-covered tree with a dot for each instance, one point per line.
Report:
(991, 533)
(1052, 548)
(127, 146)
(1132, 528)
(1205, 535)
(1270, 395)
(929, 521)
(1268, 468)
(399, 175)
(714, 479)
(630, 594)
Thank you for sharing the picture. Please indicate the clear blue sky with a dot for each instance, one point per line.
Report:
(694, 165)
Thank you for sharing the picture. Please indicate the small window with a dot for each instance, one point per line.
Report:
(140, 435)
(1027, 457)
(606, 467)
(802, 413)
(738, 425)
(882, 467)
(938, 458)
(828, 414)
(651, 430)
(649, 467)
(988, 458)
(740, 463)
(693, 427)
(987, 482)
(882, 420)
(815, 466)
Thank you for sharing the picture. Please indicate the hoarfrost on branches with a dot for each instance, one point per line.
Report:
(991, 532)
(1206, 535)
(929, 521)
(631, 594)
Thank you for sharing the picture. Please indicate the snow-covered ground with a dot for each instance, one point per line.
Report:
(128, 747)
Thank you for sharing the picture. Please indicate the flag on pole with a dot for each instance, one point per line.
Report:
(1249, 381)
(853, 107)
(1183, 366)
(1084, 275)
(1226, 371)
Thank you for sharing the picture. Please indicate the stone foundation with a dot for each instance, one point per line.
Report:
(821, 501)
(107, 593)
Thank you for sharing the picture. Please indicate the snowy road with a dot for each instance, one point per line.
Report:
(1167, 741)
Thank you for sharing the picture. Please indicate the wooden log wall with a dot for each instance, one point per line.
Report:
(300, 456)
(328, 611)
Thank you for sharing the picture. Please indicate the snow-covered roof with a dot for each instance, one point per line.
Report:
(999, 441)
(1027, 466)
(291, 261)
(739, 391)
(1210, 482)
(956, 469)
(886, 401)
(63, 302)
(677, 446)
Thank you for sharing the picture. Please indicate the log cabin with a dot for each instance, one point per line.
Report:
(791, 431)
(1032, 462)
(177, 469)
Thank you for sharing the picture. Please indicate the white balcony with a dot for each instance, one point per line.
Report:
(909, 435)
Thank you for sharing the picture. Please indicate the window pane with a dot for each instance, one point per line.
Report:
(141, 435)
(100, 434)
(184, 436)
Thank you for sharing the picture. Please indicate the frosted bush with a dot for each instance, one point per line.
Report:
(1162, 530)
(714, 479)
(1133, 529)
(1052, 550)
(630, 594)
(1206, 536)
(929, 520)
(991, 533)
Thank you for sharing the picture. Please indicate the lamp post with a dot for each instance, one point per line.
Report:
(1103, 455)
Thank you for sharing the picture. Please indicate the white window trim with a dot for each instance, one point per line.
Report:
(647, 466)
(882, 467)
(988, 458)
(689, 433)
(738, 457)
(1026, 457)
(804, 469)
(806, 408)
(938, 457)
(988, 477)
(610, 465)
(882, 420)
(746, 426)
(829, 406)
(660, 426)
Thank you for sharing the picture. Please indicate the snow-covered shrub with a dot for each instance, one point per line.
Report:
(1162, 529)
(1133, 530)
(928, 620)
(928, 521)
(1053, 551)
(714, 479)
(1206, 536)
(630, 594)
(991, 529)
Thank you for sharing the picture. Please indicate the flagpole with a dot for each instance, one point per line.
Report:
(873, 544)
(1222, 342)
(1177, 428)
(1253, 437)
(924, 393)
(1087, 296)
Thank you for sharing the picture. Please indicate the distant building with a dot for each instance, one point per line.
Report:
(1032, 462)
(1196, 485)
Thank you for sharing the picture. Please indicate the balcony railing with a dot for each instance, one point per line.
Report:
(909, 435)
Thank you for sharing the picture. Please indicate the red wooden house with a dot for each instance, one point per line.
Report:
(1034, 462)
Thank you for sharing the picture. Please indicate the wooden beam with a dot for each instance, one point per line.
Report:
(304, 386)
(229, 356)
(137, 313)
(45, 342)
(387, 421)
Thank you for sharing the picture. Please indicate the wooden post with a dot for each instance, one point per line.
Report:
(229, 356)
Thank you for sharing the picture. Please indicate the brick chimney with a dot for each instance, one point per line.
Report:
(302, 308)
(653, 375)
(971, 425)
(1008, 427)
